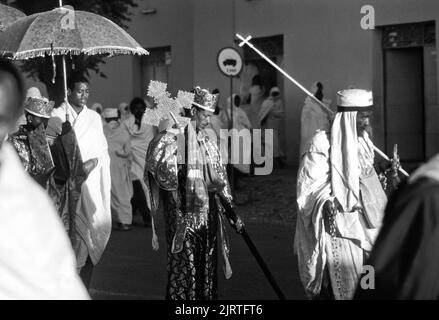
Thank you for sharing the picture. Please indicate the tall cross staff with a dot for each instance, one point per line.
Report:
(321, 104)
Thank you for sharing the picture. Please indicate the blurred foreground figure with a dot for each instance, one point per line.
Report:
(196, 197)
(36, 258)
(405, 258)
(340, 201)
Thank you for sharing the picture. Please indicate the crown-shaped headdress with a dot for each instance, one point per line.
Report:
(204, 99)
(40, 107)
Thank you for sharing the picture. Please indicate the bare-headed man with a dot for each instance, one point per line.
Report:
(93, 215)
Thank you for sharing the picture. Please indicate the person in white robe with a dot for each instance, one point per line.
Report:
(141, 135)
(256, 98)
(93, 215)
(271, 117)
(239, 152)
(340, 202)
(124, 109)
(313, 117)
(36, 258)
(119, 149)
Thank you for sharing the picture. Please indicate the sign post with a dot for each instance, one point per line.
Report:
(230, 64)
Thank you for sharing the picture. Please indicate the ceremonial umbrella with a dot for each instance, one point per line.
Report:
(63, 31)
(8, 15)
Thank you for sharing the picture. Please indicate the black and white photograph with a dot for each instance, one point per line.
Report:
(219, 157)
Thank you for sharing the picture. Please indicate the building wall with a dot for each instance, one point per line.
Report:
(323, 41)
(171, 26)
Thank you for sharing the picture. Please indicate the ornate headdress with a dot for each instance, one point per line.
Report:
(204, 99)
(37, 105)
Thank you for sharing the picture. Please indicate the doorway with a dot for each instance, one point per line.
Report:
(155, 66)
(404, 102)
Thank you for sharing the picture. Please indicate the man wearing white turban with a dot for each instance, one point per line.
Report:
(340, 201)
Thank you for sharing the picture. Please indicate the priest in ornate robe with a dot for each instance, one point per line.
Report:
(187, 172)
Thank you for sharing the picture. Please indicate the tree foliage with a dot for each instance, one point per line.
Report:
(42, 69)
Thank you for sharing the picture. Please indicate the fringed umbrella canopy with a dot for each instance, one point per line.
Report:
(8, 15)
(63, 31)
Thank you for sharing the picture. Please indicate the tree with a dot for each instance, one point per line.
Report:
(42, 69)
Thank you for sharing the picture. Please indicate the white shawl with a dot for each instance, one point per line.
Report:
(36, 258)
(345, 166)
(93, 221)
(140, 139)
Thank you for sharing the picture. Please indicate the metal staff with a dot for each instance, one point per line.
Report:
(321, 104)
(239, 227)
(262, 264)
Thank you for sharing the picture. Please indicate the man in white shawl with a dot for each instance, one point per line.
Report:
(93, 215)
(36, 258)
(141, 135)
(340, 201)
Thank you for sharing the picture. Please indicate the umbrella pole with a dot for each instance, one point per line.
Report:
(64, 71)
(64, 68)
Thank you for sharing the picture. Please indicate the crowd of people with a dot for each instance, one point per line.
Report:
(70, 174)
(101, 166)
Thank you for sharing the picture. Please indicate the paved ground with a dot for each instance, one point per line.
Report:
(130, 269)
